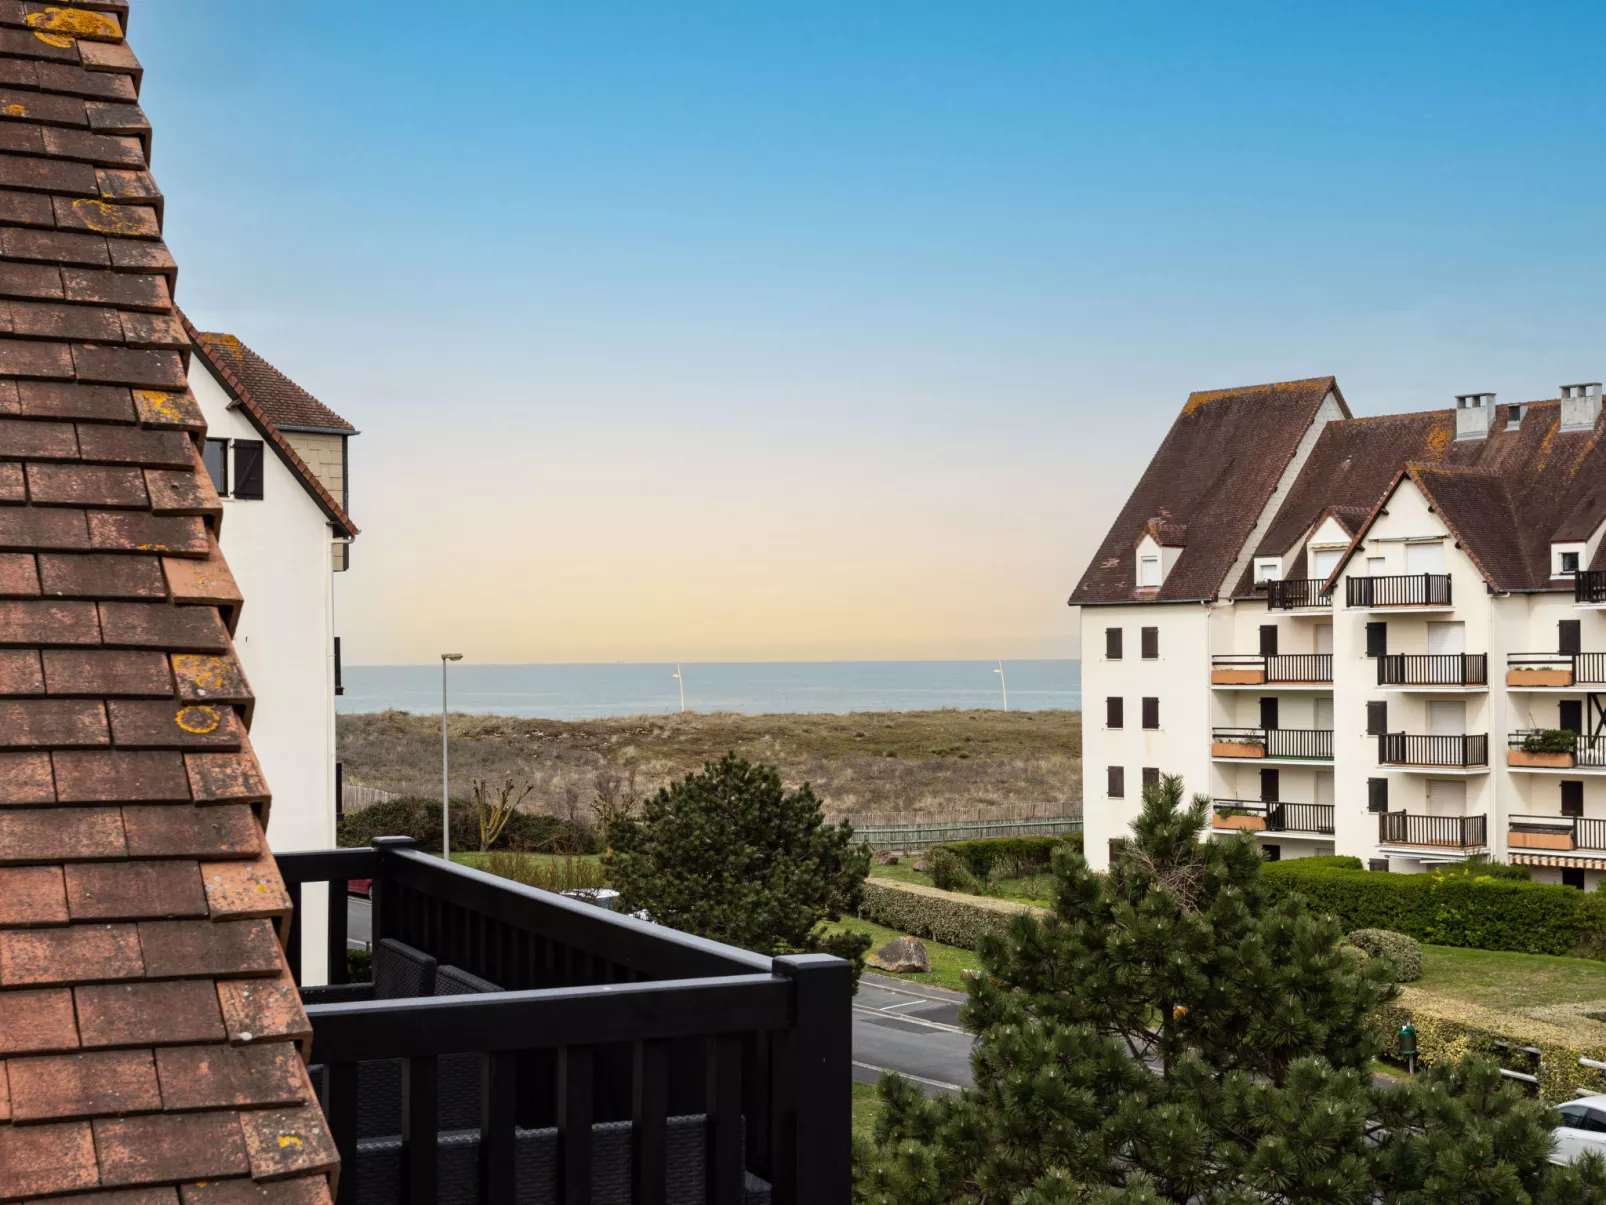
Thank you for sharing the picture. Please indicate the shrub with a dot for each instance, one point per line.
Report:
(947, 871)
(1010, 857)
(954, 920)
(1476, 911)
(1402, 952)
(1550, 740)
(526, 832)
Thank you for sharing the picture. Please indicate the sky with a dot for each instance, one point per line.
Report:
(784, 331)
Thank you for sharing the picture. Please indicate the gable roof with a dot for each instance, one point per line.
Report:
(288, 406)
(225, 368)
(148, 1022)
(1212, 476)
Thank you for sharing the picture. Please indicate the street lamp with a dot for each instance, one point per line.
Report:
(1002, 684)
(682, 681)
(446, 807)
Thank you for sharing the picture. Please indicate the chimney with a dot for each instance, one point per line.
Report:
(1473, 413)
(1580, 406)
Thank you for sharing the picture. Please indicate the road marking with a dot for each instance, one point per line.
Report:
(907, 1020)
(908, 1004)
(919, 1079)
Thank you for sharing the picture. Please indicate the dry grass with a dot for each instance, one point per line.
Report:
(871, 766)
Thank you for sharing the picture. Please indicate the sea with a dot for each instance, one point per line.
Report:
(585, 692)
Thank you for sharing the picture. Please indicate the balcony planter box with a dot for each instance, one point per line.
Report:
(1540, 839)
(1236, 749)
(1547, 761)
(1243, 822)
(1539, 677)
(1237, 676)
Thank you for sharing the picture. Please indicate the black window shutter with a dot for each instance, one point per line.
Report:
(1571, 715)
(1572, 799)
(1573, 876)
(216, 458)
(1270, 786)
(1116, 785)
(1151, 713)
(1268, 712)
(248, 468)
(1377, 794)
(1569, 638)
(1112, 644)
(1114, 713)
(1268, 640)
(1151, 643)
(1377, 720)
(1151, 777)
(1272, 853)
(1377, 639)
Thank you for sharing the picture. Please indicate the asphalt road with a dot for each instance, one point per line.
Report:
(898, 1026)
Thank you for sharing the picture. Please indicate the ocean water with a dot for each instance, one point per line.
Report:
(580, 692)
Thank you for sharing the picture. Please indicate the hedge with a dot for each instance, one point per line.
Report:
(526, 832)
(1404, 954)
(1019, 855)
(946, 916)
(1480, 912)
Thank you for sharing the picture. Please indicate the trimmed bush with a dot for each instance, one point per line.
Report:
(947, 871)
(1403, 953)
(526, 832)
(945, 916)
(1479, 912)
(1013, 857)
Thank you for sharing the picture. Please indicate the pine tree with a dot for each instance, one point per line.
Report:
(729, 854)
(1169, 1033)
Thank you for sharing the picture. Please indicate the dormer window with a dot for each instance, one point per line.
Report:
(1268, 570)
(1569, 562)
(1566, 559)
(1148, 571)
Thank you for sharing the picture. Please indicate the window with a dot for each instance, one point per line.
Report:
(1268, 712)
(1115, 782)
(1112, 644)
(1268, 640)
(1569, 562)
(1377, 864)
(1114, 713)
(1150, 643)
(1151, 713)
(216, 458)
(1268, 571)
(1151, 777)
(1572, 798)
(1570, 715)
(1377, 639)
(1272, 853)
(1377, 797)
(1573, 876)
(248, 468)
(1377, 718)
(1569, 637)
(1270, 786)
(1324, 561)
(1148, 571)
(1424, 558)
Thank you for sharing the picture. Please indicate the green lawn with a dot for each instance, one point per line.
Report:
(1500, 980)
(1034, 889)
(946, 961)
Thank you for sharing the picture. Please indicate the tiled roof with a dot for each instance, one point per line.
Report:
(226, 368)
(148, 1026)
(287, 405)
(1218, 467)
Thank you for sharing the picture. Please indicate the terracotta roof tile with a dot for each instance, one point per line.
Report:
(74, 954)
(46, 1159)
(101, 575)
(49, 622)
(203, 678)
(163, 410)
(208, 581)
(249, 1192)
(134, 890)
(59, 723)
(37, 1021)
(222, 777)
(35, 835)
(19, 574)
(288, 1142)
(21, 672)
(141, 724)
(164, 1195)
(168, 1147)
(144, 1014)
(235, 890)
(263, 1010)
(106, 672)
(286, 404)
(101, 403)
(185, 830)
(62, 1086)
(221, 1077)
(32, 895)
(26, 778)
(191, 948)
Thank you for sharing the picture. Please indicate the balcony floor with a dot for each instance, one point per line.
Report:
(1441, 771)
(1436, 689)
(1273, 687)
(1274, 761)
(1569, 771)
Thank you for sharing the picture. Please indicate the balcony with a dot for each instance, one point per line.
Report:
(520, 1047)
(1298, 744)
(1432, 832)
(1433, 669)
(1550, 671)
(1285, 669)
(1448, 752)
(1297, 594)
(1589, 588)
(1555, 749)
(1557, 834)
(1254, 816)
(1400, 590)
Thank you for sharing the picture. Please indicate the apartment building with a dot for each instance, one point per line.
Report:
(1383, 637)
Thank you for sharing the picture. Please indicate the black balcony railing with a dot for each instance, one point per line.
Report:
(1583, 750)
(1406, 749)
(1281, 742)
(1454, 832)
(1402, 590)
(1296, 593)
(1433, 669)
(1287, 668)
(1589, 586)
(1279, 817)
(1557, 832)
(591, 1048)
(1585, 668)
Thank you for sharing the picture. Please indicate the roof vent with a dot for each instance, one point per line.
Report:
(1580, 406)
(1473, 412)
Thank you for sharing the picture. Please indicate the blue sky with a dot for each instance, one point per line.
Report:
(726, 331)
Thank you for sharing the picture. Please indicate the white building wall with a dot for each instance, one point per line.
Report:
(278, 550)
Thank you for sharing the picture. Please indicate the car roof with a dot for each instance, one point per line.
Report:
(1594, 1102)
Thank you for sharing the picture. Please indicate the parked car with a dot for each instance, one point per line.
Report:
(1582, 1128)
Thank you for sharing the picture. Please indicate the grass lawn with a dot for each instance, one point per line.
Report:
(1497, 979)
(866, 1108)
(550, 872)
(946, 961)
(1034, 889)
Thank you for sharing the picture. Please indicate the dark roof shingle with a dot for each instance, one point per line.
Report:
(290, 407)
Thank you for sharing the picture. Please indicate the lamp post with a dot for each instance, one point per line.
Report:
(446, 796)
(682, 682)
(1003, 684)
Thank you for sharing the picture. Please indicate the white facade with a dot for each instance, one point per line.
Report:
(278, 547)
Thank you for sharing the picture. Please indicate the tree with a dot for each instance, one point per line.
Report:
(494, 808)
(1169, 1033)
(729, 854)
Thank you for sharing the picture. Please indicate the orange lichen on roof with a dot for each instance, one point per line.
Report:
(79, 22)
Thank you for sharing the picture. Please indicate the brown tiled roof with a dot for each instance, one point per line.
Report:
(226, 368)
(287, 405)
(148, 1029)
(1213, 474)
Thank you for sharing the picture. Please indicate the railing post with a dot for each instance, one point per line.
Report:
(819, 1130)
(379, 904)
